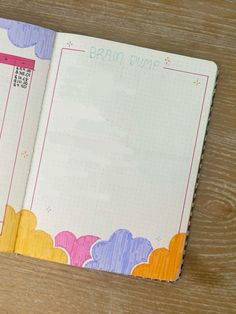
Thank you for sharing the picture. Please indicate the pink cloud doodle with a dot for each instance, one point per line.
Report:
(77, 248)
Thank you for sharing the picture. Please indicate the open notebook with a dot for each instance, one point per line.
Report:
(100, 146)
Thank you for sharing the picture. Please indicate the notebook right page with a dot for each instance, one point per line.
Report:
(117, 156)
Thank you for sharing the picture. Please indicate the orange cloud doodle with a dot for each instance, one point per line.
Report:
(36, 243)
(9, 230)
(163, 264)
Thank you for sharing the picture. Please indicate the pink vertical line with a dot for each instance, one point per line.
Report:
(7, 101)
(19, 140)
(45, 134)
(194, 149)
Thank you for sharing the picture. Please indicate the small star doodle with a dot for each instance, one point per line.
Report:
(24, 154)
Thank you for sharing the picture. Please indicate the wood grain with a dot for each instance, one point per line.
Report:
(205, 29)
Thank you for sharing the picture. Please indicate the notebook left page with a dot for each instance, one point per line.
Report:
(25, 53)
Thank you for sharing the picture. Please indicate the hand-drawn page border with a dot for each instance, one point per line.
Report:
(206, 77)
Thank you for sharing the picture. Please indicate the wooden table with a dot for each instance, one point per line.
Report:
(205, 29)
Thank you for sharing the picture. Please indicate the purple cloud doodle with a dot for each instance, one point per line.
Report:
(120, 253)
(78, 249)
(25, 35)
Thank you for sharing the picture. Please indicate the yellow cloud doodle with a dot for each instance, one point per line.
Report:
(36, 243)
(9, 230)
(163, 264)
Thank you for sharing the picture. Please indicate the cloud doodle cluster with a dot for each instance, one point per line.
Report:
(121, 253)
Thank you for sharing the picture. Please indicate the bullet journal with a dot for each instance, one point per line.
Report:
(100, 148)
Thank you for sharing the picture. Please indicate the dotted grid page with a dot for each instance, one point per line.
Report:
(23, 76)
(119, 141)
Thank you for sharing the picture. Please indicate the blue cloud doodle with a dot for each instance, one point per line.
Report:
(25, 35)
(120, 253)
